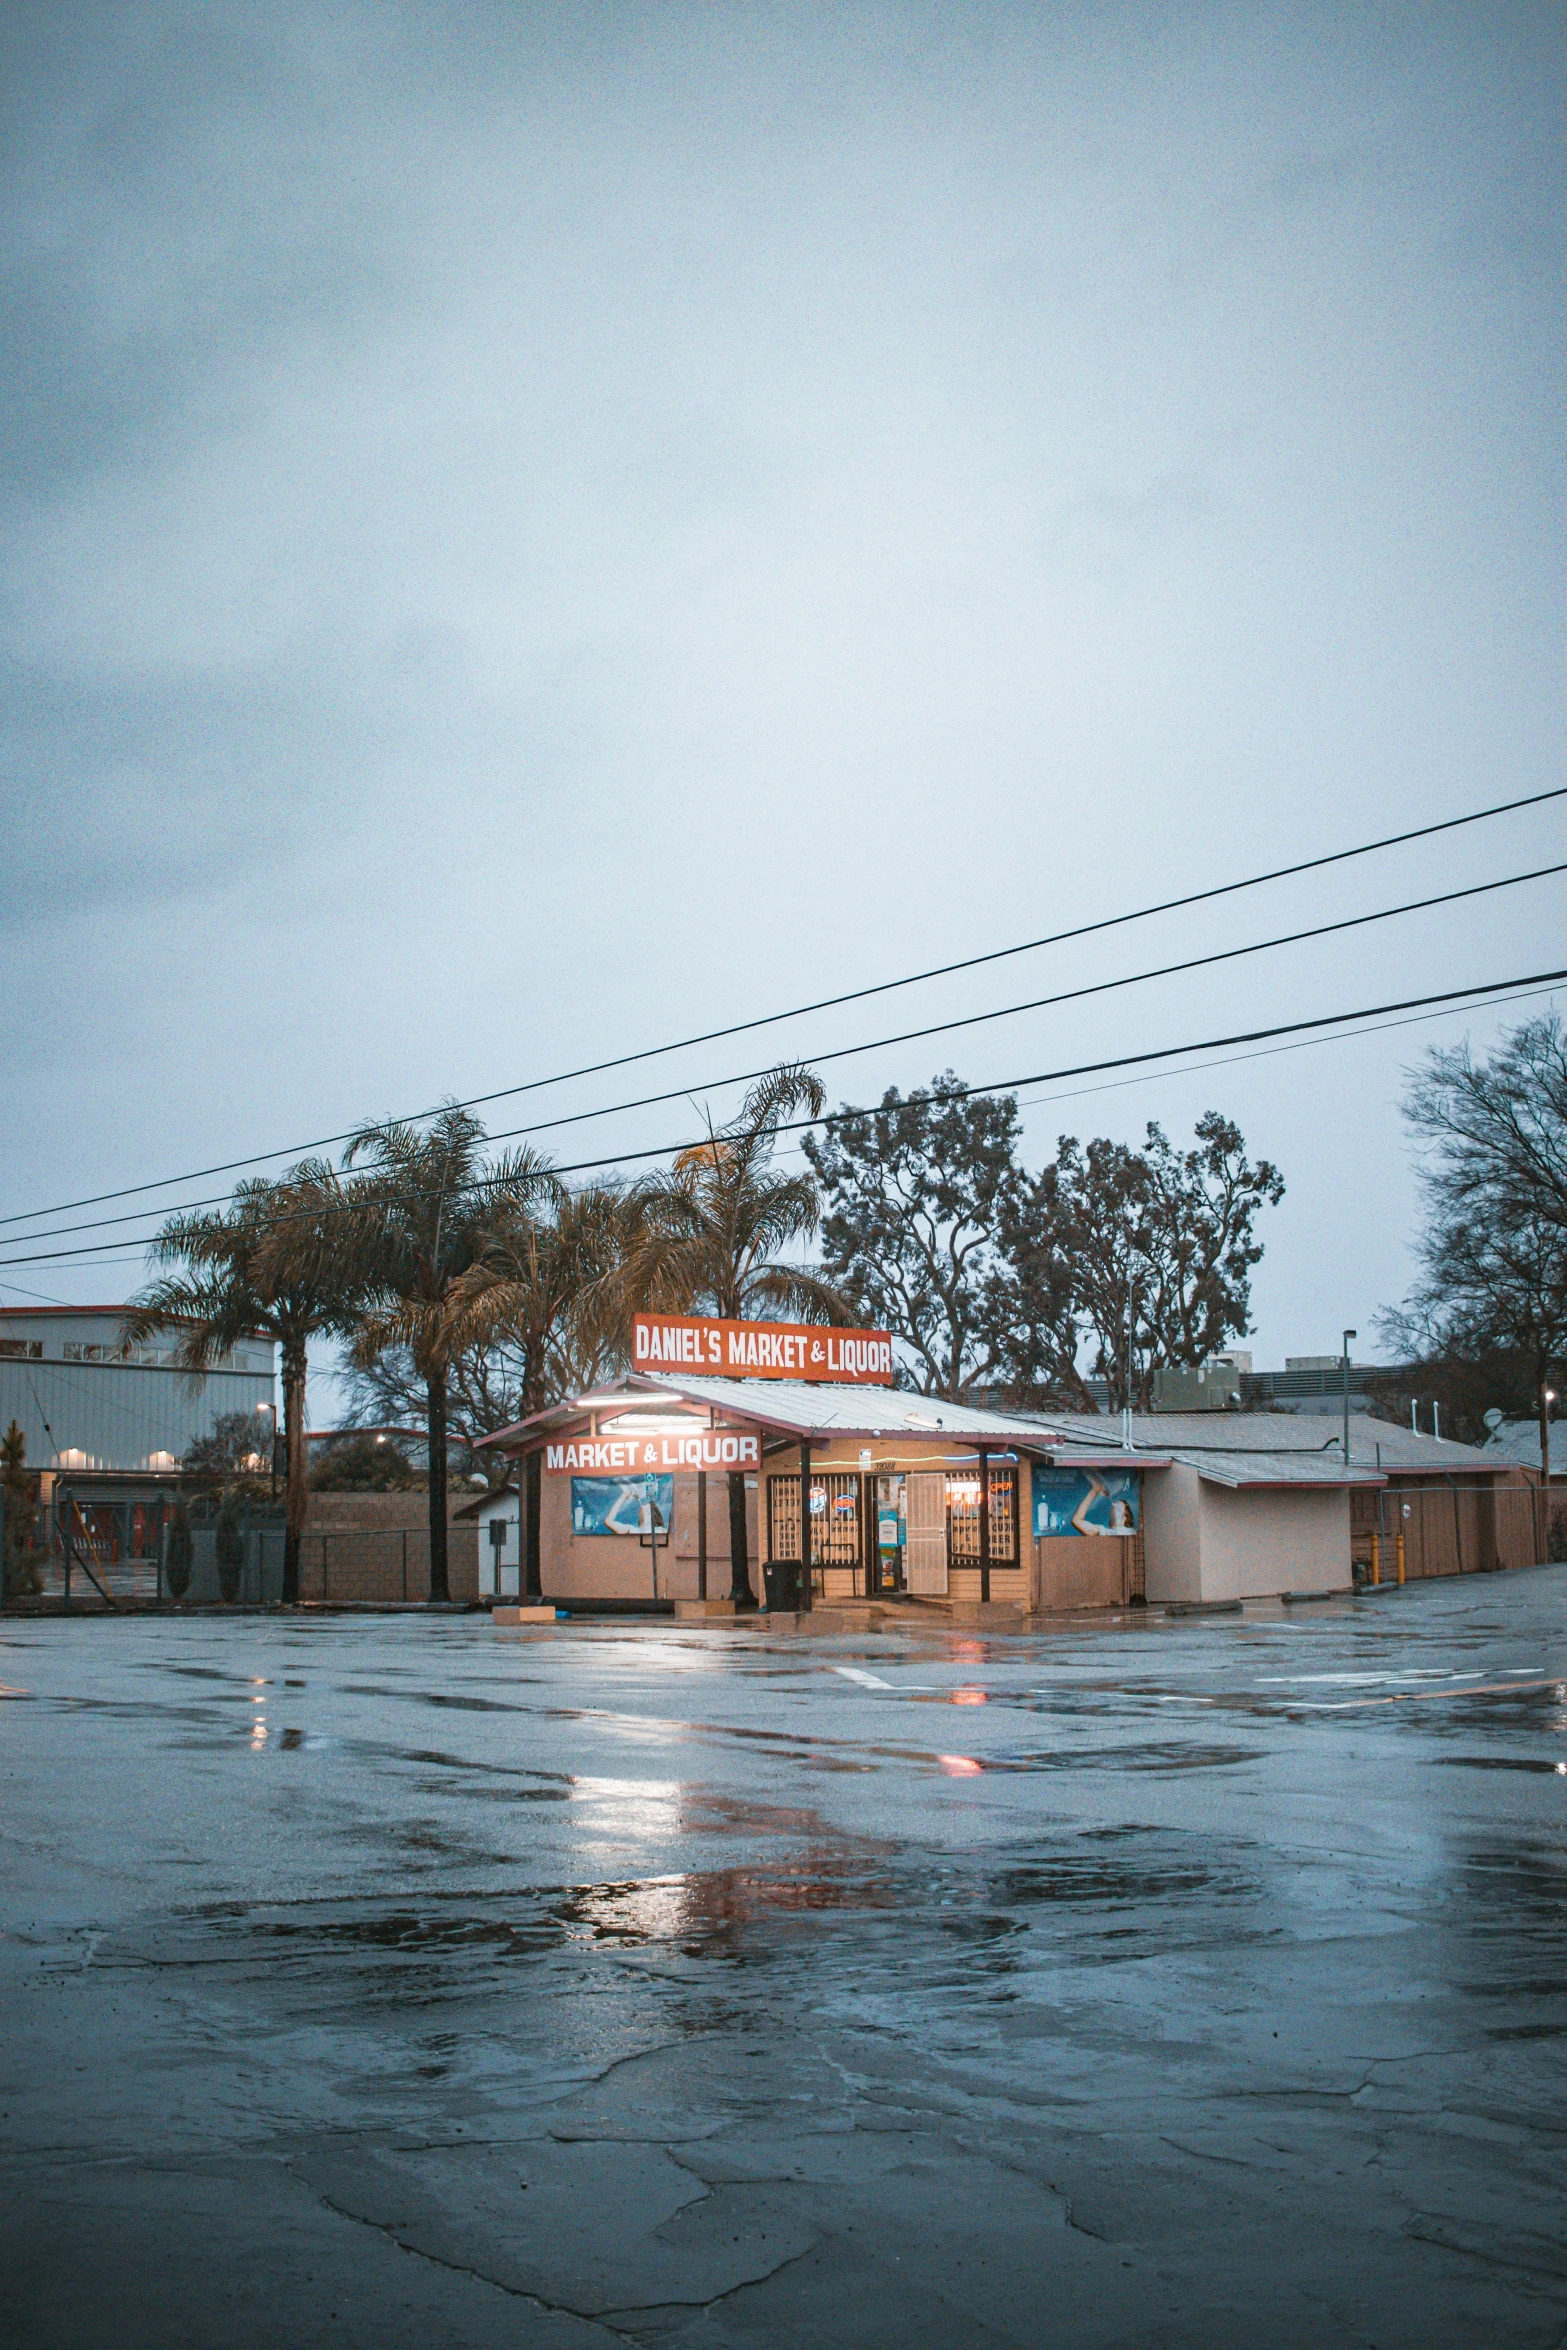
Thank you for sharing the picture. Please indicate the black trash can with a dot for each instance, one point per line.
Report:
(781, 1583)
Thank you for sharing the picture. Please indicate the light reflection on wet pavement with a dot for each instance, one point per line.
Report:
(1155, 1981)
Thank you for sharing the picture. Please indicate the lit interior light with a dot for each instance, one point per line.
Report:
(651, 1424)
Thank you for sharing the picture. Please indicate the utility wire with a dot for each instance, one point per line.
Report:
(137, 1256)
(916, 1035)
(822, 1004)
(831, 1118)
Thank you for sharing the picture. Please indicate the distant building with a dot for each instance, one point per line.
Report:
(83, 1405)
(1227, 1382)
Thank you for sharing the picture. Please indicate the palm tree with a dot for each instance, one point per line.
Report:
(547, 1288)
(714, 1223)
(543, 1287)
(272, 1263)
(425, 1211)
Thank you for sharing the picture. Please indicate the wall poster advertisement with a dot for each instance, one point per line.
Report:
(1086, 1501)
(621, 1505)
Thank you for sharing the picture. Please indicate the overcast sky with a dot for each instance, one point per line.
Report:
(529, 532)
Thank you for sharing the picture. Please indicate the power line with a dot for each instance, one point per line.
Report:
(822, 1004)
(137, 1256)
(831, 1118)
(1042, 1003)
(1302, 1044)
(917, 1035)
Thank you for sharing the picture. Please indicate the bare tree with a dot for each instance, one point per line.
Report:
(1494, 1173)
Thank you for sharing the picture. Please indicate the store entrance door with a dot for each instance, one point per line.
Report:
(889, 1535)
(925, 1547)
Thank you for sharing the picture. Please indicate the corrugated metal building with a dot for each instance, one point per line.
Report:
(82, 1404)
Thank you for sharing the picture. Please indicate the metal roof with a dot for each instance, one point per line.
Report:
(833, 1410)
(1233, 1449)
(1293, 1437)
(1240, 1470)
(808, 1412)
(1516, 1444)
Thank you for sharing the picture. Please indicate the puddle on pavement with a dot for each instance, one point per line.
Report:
(437, 1697)
(1109, 1896)
(1174, 1754)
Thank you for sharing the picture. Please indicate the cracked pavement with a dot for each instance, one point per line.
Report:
(1144, 1982)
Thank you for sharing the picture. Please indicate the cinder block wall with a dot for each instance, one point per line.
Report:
(376, 1546)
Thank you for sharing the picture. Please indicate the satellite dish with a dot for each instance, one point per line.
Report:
(1494, 1418)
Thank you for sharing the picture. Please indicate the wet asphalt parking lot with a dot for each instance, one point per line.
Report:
(398, 1981)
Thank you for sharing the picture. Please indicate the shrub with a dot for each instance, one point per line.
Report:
(181, 1551)
(364, 1463)
(19, 1568)
(230, 1546)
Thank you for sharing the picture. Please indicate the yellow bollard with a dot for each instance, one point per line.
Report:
(1376, 1558)
(1401, 1554)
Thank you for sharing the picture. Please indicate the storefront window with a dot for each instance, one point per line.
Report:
(835, 1518)
(963, 1514)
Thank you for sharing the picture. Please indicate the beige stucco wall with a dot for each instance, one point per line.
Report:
(602, 1566)
(1207, 1541)
(1172, 1533)
(1261, 1542)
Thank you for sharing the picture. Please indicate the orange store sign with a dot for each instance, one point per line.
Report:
(760, 1350)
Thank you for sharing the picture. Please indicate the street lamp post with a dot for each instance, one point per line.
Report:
(1348, 1335)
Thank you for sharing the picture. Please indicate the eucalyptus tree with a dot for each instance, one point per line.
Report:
(921, 1195)
(993, 1278)
(425, 1208)
(711, 1231)
(1160, 1244)
(274, 1263)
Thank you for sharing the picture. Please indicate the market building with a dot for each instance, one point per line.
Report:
(622, 1495)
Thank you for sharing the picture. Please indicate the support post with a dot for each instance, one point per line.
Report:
(1376, 1558)
(534, 1577)
(805, 1527)
(984, 1526)
(1401, 1554)
(868, 1552)
(701, 1534)
(739, 1563)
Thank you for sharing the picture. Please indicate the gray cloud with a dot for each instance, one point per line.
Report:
(524, 524)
